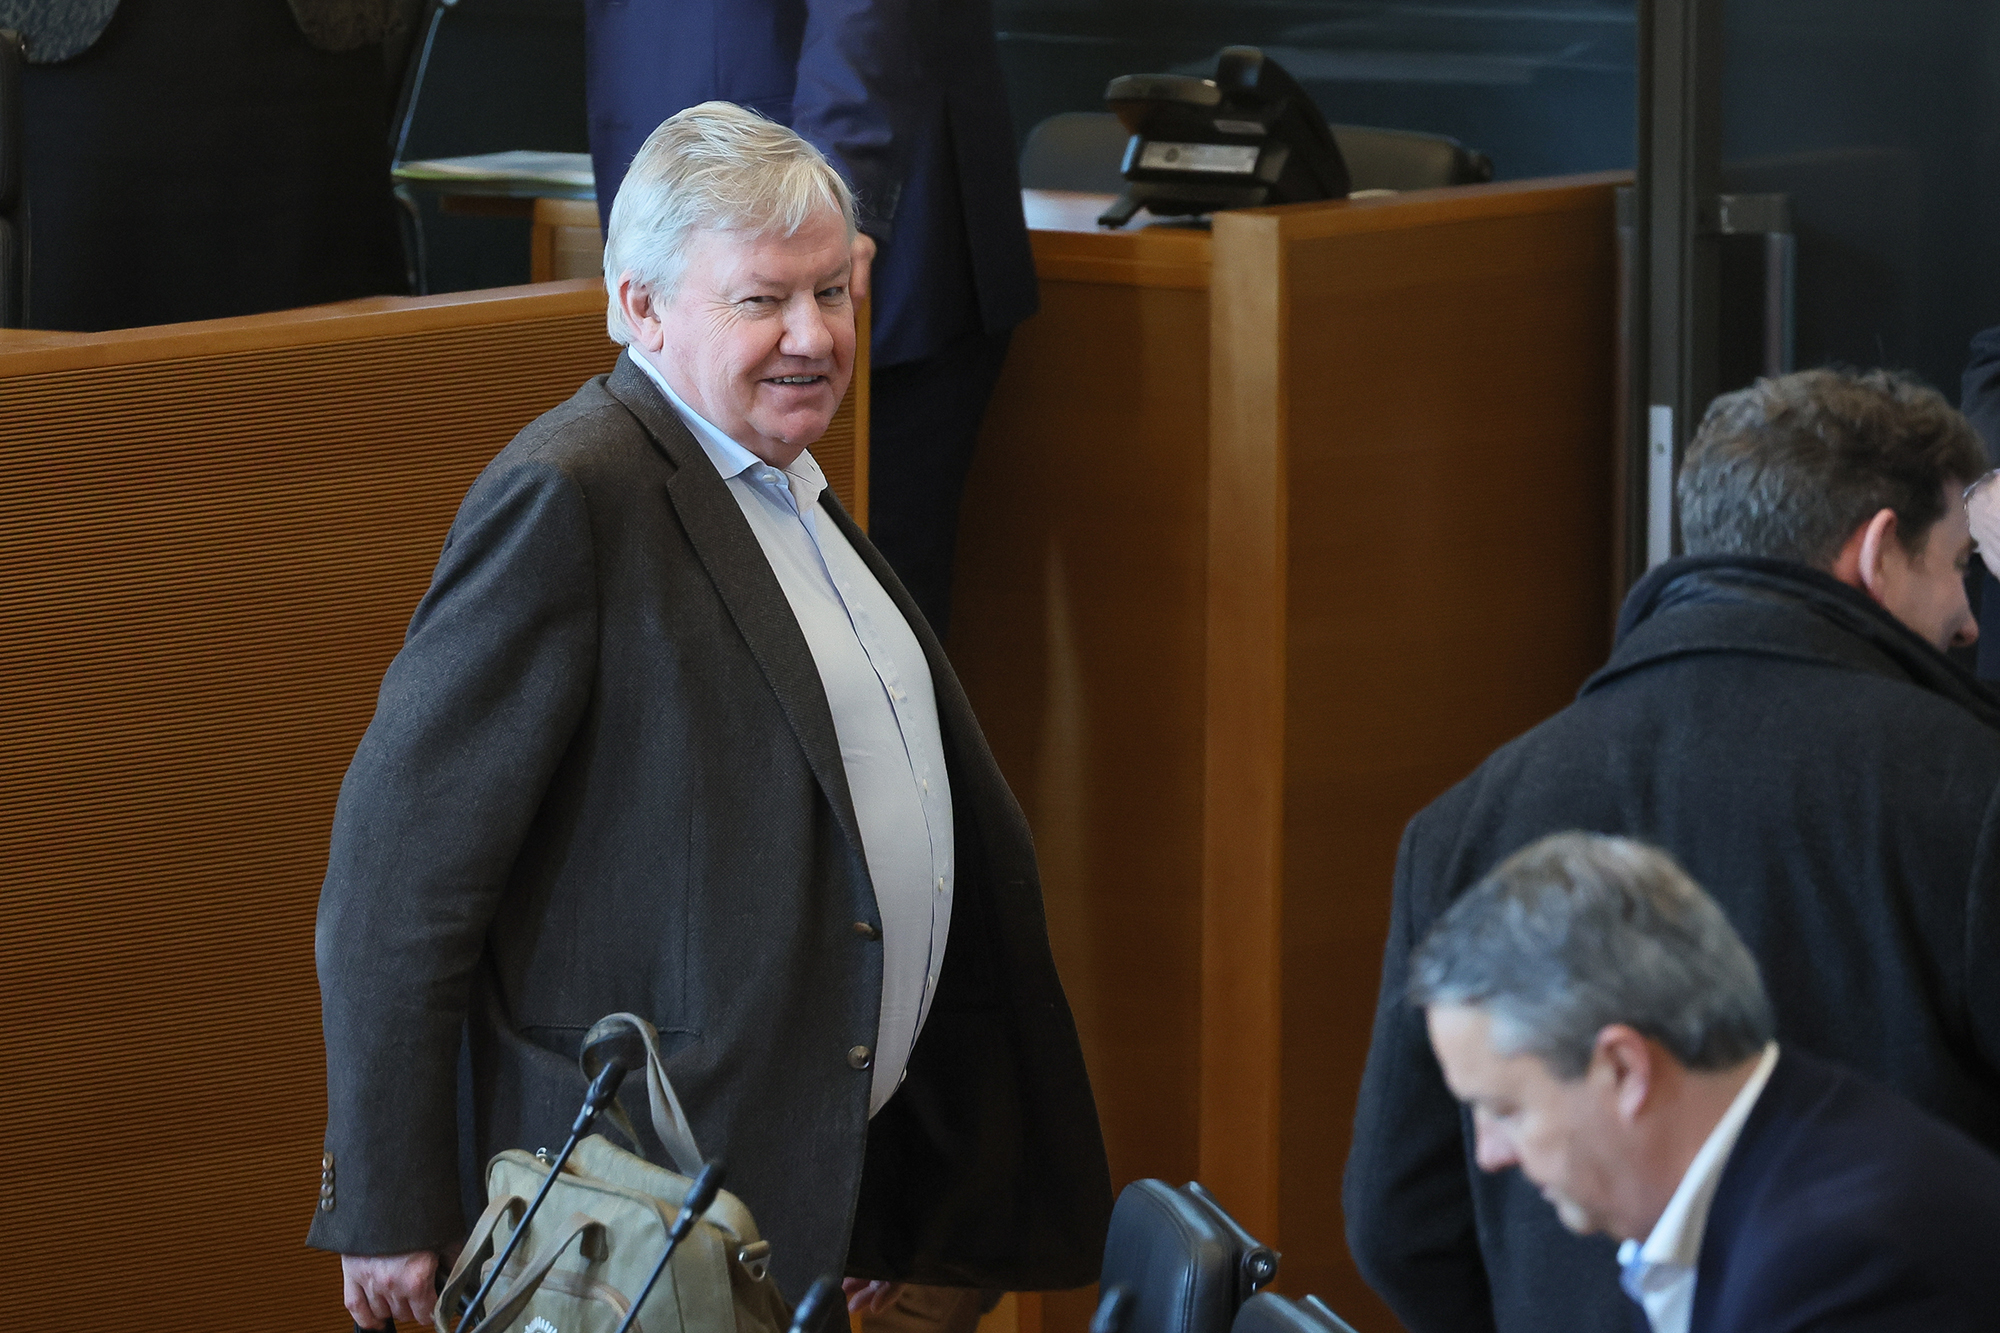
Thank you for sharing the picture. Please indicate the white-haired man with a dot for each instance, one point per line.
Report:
(667, 736)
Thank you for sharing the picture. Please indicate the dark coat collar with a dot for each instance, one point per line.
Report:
(1773, 608)
(715, 527)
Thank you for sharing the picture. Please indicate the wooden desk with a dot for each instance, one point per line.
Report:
(1274, 533)
(211, 539)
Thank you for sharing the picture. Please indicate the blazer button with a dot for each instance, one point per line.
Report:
(858, 1057)
(867, 931)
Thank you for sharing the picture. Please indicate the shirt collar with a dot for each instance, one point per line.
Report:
(1674, 1246)
(804, 478)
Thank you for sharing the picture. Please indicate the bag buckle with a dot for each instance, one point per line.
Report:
(755, 1258)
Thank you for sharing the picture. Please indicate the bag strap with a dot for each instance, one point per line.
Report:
(476, 1247)
(670, 1123)
(521, 1292)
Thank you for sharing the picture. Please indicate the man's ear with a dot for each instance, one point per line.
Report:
(1860, 562)
(642, 317)
(1629, 1059)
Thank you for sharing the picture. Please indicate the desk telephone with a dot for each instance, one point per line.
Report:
(1247, 137)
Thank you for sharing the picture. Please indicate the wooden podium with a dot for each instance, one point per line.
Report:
(1274, 533)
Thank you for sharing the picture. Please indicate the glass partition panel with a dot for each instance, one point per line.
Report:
(1882, 122)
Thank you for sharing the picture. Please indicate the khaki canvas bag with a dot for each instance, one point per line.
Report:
(595, 1239)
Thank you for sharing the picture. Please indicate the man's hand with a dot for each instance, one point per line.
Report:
(379, 1287)
(865, 1297)
(864, 260)
(1982, 508)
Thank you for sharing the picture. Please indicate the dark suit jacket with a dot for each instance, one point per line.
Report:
(602, 776)
(1830, 778)
(904, 96)
(1844, 1207)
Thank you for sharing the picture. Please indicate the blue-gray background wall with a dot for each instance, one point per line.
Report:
(1881, 119)
(1541, 86)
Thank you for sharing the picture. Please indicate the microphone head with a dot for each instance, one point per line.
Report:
(706, 1186)
(700, 1195)
(814, 1305)
(619, 1039)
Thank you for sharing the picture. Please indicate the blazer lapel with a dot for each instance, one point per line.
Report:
(743, 579)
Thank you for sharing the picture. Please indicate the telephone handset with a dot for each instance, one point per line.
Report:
(1247, 137)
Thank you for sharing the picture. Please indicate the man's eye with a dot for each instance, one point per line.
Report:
(832, 293)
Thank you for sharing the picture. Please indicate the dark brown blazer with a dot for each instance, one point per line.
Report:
(602, 776)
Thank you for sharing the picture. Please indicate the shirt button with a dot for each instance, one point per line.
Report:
(925, 783)
(867, 930)
(940, 883)
(858, 1057)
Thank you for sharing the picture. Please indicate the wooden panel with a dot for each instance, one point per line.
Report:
(211, 538)
(1243, 908)
(1440, 461)
(1077, 625)
(564, 240)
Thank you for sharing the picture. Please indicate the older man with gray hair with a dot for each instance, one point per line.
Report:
(667, 736)
(1610, 1036)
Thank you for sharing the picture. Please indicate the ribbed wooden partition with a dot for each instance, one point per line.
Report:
(211, 537)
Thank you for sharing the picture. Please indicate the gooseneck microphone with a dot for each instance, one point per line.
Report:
(699, 1196)
(603, 1088)
(813, 1305)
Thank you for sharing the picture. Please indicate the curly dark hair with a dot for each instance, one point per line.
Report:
(1790, 467)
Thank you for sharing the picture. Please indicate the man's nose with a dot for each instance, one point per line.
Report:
(806, 332)
(1969, 629)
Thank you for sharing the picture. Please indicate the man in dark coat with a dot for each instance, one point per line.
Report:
(1779, 715)
(908, 102)
(1611, 1039)
(667, 736)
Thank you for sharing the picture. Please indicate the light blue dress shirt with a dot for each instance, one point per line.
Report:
(878, 687)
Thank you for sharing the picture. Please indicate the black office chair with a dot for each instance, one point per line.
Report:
(1408, 159)
(1268, 1312)
(1176, 1262)
(13, 196)
(1083, 150)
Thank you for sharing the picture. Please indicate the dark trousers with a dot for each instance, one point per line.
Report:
(923, 423)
